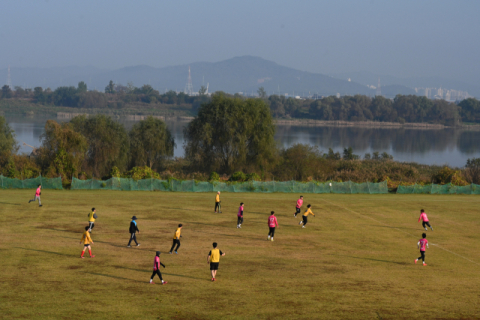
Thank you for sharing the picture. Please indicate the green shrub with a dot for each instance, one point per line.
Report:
(214, 176)
(253, 177)
(238, 176)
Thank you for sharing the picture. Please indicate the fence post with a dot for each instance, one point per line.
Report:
(91, 182)
(23, 186)
(350, 185)
(193, 185)
(368, 186)
(414, 186)
(151, 184)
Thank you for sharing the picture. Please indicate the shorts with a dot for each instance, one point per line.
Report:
(214, 265)
(86, 245)
(297, 210)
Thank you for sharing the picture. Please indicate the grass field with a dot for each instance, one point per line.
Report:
(353, 261)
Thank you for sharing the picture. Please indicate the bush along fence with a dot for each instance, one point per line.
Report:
(250, 186)
(47, 183)
(439, 189)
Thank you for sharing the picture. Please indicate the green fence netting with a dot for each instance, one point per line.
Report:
(251, 186)
(47, 183)
(439, 189)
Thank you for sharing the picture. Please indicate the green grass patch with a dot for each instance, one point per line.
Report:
(354, 260)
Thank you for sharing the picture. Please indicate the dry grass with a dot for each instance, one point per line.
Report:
(354, 260)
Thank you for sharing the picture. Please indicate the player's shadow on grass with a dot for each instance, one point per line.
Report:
(115, 277)
(378, 260)
(44, 251)
(168, 274)
(396, 227)
(14, 204)
(70, 231)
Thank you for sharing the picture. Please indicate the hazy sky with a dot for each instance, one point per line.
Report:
(401, 38)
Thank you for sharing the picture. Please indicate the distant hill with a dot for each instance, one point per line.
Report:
(240, 74)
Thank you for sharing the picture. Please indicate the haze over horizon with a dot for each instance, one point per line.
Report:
(403, 39)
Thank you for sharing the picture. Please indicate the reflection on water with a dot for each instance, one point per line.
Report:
(446, 146)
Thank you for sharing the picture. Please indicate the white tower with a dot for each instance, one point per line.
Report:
(189, 86)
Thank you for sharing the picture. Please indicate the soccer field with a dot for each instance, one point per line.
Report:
(354, 260)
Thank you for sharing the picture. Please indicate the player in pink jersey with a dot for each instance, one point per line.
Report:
(422, 243)
(272, 223)
(298, 206)
(424, 218)
(156, 268)
(37, 195)
(240, 216)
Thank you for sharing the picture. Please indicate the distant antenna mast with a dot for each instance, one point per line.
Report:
(9, 79)
(379, 89)
(189, 86)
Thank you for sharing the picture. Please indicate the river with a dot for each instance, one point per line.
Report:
(427, 146)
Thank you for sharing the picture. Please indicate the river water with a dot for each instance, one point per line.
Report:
(444, 146)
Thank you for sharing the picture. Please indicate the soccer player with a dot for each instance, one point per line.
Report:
(214, 259)
(91, 219)
(272, 223)
(424, 218)
(305, 215)
(87, 240)
(421, 244)
(156, 268)
(37, 195)
(298, 206)
(240, 216)
(133, 229)
(217, 203)
(176, 239)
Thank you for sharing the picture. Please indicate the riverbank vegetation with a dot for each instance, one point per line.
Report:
(118, 99)
(231, 139)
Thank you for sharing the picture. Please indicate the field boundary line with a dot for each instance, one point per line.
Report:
(364, 216)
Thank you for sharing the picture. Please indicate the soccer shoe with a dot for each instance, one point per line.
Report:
(213, 279)
(92, 256)
(29, 201)
(425, 229)
(268, 238)
(164, 282)
(170, 252)
(128, 246)
(431, 228)
(176, 252)
(424, 264)
(40, 205)
(151, 282)
(219, 211)
(416, 261)
(82, 257)
(271, 239)
(303, 226)
(300, 222)
(138, 244)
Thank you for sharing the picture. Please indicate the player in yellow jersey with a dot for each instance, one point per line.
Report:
(305, 215)
(91, 219)
(86, 242)
(176, 239)
(217, 203)
(214, 259)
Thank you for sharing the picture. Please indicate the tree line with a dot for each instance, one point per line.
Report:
(401, 109)
(231, 138)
